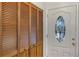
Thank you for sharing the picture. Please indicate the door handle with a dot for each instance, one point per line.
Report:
(73, 41)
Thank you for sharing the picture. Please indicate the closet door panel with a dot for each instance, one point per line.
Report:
(24, 20)
(33, 30)
(9, 17)
(24, 24)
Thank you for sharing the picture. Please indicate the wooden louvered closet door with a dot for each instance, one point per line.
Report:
(21, 29)
(33, 25)
(9, 31)
(24, 27)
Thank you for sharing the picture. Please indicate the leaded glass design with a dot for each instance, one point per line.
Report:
(60, 29)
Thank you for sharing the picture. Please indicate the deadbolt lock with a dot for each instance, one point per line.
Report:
(73, 39)
(73, 44)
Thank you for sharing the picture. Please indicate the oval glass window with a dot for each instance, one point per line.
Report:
(60, 29)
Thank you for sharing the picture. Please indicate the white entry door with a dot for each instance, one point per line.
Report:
(61, 31)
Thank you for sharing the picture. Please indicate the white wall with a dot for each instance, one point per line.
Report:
(51, 5)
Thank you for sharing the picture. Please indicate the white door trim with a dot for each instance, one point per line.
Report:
(77, 30)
